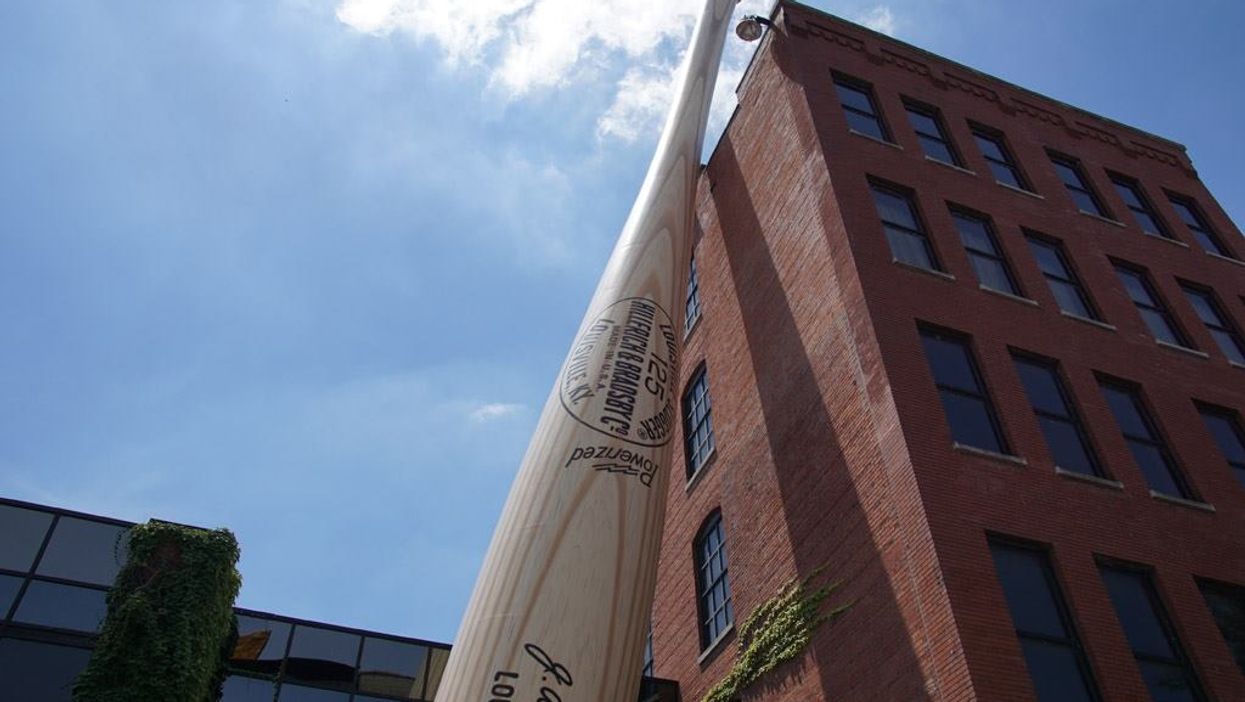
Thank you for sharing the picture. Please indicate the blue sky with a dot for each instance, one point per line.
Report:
(307, 269)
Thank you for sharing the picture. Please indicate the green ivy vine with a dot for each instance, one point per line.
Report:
(170, 625)
(775, 632)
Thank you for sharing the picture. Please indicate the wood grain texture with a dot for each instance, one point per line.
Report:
(560, 608)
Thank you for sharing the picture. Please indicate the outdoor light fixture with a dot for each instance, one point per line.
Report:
(749, 28)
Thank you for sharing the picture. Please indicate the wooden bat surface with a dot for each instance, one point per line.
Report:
(560, 608)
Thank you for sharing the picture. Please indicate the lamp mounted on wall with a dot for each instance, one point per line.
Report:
(749, 28)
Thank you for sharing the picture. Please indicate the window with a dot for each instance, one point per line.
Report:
(9, 586)
(859, 108)
(1227, 605)
(261, 645)
(393, 668)
(691, 307)
(436, 666)
(323, 657)
(1062, 427)
(1135, 199)
(1197, 224)
(1083, 196)
(647, 670)
(23, 531)
(1144, 442)
(983, 252)
(61, 606)
(298, 693)
(1064, 284)
(903, 229)
(1150, 306)
(1052, 651)
(963, 395)
(713, 591)
(1225, 428)
(998, 157)
(1217, 322)
(930, 132)
(1159, 655)
(697, 422)
(88, 551)
(39, 671)
(238, 688)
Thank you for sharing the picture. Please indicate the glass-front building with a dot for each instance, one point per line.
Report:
(56, 567)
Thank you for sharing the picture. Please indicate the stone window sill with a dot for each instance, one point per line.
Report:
(1183, 349)
(704, 468)
(1097, 480)
(1229, 259)
(1100, 218)
(992, 455)
(876, 140)
(1087, 320)
(1009, 296)
(920, 269)
(713, 648)
(1234, 364)
(1172, 499)
(1167, 240)
(952, 166)
(1022, 191)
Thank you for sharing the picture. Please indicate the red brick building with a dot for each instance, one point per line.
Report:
(978, 353)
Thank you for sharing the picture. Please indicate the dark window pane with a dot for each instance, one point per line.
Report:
(975, 233)
(1208, 242)
(1159, 326)
(949, 362)
(242, 689)
(993, 274)
(894, 208)
(923, 123)
(1084, 201)
(23, 531)
(61, 606)
(1202, 305)
(691, 306)
(392, 668)
(865, 124)
(298, 693)
(1005, 174)
(1229, 344)
(1130, 593)
(322, 656)
(1055, 671)
(937, 149)
(1148, 223)
(436, 666)
(1128, 195)
(989, 148)
(84, 550)
(853, 97)
(1154, 465)
(39, 672)
(9, 586)
(1070, 300)
(1227, 435)
(1127, 413)
(1042, 386)
(1167, 682)
(261, 644)
(909, 248)
(1227, 605)
(1068, 174)
(1135, 287)
(1067, 446)
(970, 422)
(1022, 573)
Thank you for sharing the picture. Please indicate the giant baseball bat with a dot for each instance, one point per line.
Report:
(560, 608)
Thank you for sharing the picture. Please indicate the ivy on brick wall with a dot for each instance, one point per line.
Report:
(777, 631)
(170, 625)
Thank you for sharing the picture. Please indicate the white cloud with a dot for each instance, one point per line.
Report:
(527, 45)
(879, 19)
(494, 410)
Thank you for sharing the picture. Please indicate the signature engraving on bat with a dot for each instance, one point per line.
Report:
(553, 673)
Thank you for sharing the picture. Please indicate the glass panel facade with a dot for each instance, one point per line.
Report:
(392, 668)
(23, 531)
(39, 672)
(261, 644)
(299, 693)
(86, 551)
(436, 666)
(323, 656)
(242, 689)
(9, 585)
(61, 606)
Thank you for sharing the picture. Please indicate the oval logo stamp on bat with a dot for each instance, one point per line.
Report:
(619, 377)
